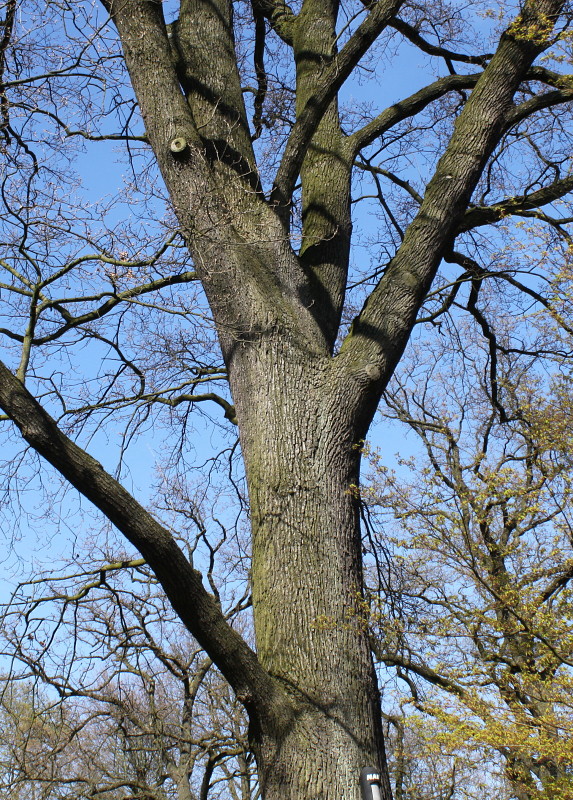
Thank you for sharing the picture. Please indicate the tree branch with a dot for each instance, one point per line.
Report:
(334, 76)
(280, 15)
(538, 103)
(550, 77)
(180, 581)
(410, 33)
(395, 660)
(486, 215)
(391, 177)
(455, 257)
(109, 305)
(408, 107)
(379, 334)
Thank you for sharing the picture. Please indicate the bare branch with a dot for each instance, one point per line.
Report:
(181, 582)
(408, 108)
(486, 215)
(413, 36)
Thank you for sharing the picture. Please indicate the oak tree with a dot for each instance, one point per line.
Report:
(259, 166)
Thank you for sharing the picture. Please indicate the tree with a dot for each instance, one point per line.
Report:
(483, 549)
(426, 764)
(132, 710)
(274, 263)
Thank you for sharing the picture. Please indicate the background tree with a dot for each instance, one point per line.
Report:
(482, 548)
(264, 207)
(133, 709)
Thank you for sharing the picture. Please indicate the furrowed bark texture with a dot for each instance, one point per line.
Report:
(325, 171)
(310, 624)
(311, 692)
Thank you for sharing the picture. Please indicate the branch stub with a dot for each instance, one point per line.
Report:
(178, 145)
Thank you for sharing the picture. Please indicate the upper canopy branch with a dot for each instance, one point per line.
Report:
(421, 99)
(334, 77)
(410, 32)
(486, 215)
(539, 103)
(392, 177)
(380, 332)
(408, 108)
(544, 75)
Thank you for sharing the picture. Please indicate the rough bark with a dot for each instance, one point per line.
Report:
(310, 626)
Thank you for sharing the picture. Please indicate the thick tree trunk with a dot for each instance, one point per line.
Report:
(310, 621)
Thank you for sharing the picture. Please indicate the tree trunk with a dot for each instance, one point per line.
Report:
(310, 620)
